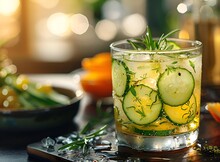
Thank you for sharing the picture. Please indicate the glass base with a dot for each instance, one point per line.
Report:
(157, 143)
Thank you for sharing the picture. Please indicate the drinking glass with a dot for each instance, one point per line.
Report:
(157, 95)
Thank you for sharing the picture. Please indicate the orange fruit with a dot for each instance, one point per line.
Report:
(97, 79)
(100, 62)
(97, 84)
(214, 109)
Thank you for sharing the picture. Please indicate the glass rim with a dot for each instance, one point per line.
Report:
(197, 45)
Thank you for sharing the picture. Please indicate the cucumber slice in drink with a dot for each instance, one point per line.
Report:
(182, 114)
(142, 105)
(120, 79)
(175, 86)
(154, 132)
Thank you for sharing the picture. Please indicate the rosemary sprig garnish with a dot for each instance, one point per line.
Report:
(146, 42)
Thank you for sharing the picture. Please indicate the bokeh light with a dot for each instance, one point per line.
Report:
(182, 8)
(58, 24)
(79, 23)
(9, 7)
(183, 34)
(134, 25)
(106, 30)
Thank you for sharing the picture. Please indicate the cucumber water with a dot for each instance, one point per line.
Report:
(156, 92)
(146, 91)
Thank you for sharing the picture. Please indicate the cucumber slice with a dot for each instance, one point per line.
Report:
(182, 114)
(120, 79)
(142, 105)
(175, 86)
(154, 132)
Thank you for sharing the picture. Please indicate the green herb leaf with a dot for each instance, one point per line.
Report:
(192, 65)
(133, 91)
(81, 141)
(147, 42)
(174, 62)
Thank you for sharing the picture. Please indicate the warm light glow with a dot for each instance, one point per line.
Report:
(41, 29)
(79, 23)
(54, 51)
(10, 32)
(106, 30)
(49, 48)
(134, 25)
(9, 7)
(46, 4)
(182, 8)
(183, 34)
(58, 24)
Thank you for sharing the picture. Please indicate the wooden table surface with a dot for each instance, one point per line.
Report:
(13, 145)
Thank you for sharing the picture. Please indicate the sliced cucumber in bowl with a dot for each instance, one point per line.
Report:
(176, 86)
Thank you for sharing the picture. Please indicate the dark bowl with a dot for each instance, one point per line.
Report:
(42, 118)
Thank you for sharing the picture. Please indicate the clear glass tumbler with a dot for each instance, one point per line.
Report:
(157, 95)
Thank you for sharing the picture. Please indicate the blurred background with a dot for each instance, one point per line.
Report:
(53, 36)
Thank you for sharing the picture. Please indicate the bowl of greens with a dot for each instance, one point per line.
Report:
(27, 105)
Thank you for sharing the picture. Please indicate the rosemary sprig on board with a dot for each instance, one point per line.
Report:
(95, 127)
(82, 141)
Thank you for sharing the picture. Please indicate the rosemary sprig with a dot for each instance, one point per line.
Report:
(90, 132)
(83, 140)
(146, 42)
